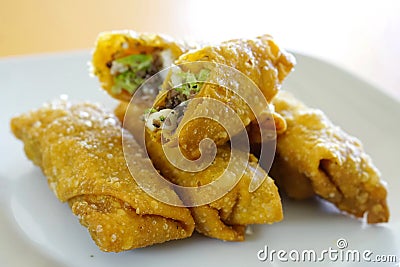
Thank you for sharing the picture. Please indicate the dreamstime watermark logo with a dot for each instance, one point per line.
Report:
(340, 253)
(197, 107)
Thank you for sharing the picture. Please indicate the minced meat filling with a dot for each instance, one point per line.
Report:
(186, 86)
(174, 98)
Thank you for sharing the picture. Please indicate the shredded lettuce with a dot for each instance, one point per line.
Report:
(136, 62)
(150, 110)
(203, 75)
(191, 83)
(129, 80)
(126, 81)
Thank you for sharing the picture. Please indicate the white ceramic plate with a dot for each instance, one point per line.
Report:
(37, 230)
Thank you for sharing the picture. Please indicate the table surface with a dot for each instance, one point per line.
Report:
(362, 37)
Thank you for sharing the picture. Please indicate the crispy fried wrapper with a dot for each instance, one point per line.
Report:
(123, 60)
(226, 217)
(251, 74)
(79, 149)
(261, 59)
(316, 157)
(220, 114)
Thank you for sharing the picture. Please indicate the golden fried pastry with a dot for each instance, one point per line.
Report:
(261, 59)
(215, 113)
(79, 148)
(316, 157)
(135, 122)
(231, 74)
(226, 217)
(123, 60)
(120, 110)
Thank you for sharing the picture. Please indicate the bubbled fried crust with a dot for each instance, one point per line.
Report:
(197, 123)
(226, 217)
(261, 61)
(259, 58)
(113, 45)
(79, 149)
(115, 226)
(334, 163)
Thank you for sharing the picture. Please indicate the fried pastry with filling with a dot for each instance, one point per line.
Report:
(123, 60)
(263, 67)
(79, 149)
(316, 157)
(226, 217)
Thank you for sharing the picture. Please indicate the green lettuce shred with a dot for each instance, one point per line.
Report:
(191, 83)
(150, 110)
(129, 79)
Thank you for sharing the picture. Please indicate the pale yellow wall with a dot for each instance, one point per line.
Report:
(32, 26)
(360, 35)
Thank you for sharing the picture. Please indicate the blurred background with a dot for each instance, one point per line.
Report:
(362, 37)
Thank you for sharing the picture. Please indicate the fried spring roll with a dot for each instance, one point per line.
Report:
(316, 157)
(123, 60)
(226, 217)
(79, 149)
(259, 59)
